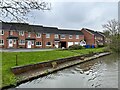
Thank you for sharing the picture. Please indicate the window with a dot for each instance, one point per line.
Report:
(21, 33)
(1, 32)
(32, 42)
(38, 35)
(48, 44)
(22, 42)
(47, 35)
(11, 32)
(29, 34)
(56, 36)
(77, 36)
(62, 36)
(14, 41)
(70, 36)
(38, 43)
(1, 42)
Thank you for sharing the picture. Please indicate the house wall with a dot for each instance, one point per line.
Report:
(42, 39)
(89, 37)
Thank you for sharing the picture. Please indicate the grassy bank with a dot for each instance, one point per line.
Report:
(24, 58)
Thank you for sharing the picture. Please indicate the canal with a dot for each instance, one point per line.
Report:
(99, 73)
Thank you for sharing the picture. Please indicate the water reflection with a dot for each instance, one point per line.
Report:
(93, 74)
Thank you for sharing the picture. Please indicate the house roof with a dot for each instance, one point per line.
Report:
(96, 33)
(37, 28)
(51, 30)
(72, 32)
(14, 26)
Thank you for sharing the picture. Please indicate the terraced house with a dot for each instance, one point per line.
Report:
(23, 35)
(93, 37)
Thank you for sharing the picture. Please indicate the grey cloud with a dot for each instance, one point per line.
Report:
(76, 15)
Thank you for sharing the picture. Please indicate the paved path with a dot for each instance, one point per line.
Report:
(24, 50)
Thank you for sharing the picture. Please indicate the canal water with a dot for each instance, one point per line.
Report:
(98, 73)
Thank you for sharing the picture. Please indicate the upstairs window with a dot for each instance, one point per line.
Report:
(11, 32)
(70, 36)
(47, 35)
(1, 42)
(56, 36)
(62, 36)
(38, 35)
(77, 36)
(29, 34)
(1, 32)
(21, 33)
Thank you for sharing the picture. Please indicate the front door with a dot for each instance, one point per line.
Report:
(29, 44)
(10, 43)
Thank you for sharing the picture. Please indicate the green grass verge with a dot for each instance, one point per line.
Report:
(25, 58)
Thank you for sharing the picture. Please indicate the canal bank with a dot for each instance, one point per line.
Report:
(97, 74)
(56, 65)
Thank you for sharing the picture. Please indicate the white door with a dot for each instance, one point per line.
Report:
(29, 44)
(70, 43)
(10, 43)
(56, 44)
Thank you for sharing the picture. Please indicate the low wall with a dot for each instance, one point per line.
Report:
(21, 69)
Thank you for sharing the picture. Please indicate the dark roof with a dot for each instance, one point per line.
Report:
(50, 30)
(37, 28)
(96, 33)
(72, 32)
(14, 26)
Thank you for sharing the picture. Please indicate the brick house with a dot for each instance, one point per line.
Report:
(23, 35)
(93, 37)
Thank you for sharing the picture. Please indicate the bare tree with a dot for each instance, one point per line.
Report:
(17, 9)
(112, 28)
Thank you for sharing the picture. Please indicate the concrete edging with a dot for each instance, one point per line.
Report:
(89, 58)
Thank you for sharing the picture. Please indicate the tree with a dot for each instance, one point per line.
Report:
(112, 26)
(112, 29)
(17, 9)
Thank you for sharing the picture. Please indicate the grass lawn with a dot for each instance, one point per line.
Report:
(24, 58)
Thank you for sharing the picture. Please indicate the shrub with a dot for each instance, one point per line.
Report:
(75, 47)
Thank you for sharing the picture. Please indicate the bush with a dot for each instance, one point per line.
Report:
(75, 47)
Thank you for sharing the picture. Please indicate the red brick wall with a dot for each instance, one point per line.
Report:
(42, 39)
(89, 37)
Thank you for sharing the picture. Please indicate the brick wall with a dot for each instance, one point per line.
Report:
(42, 39)
(89, 37)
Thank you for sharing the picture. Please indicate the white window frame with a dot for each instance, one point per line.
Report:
(21, 43)
(77, 36)
(70, 36)
(14, 41)
(38, 35)
(61, 36)
(1, 43)
(38, 45)
(48, 45)
(29, 34)
(11, 32)
(32, 42)
(21, 33)
(56, 36)
(1, 32)
(47, 35)
(77, 43)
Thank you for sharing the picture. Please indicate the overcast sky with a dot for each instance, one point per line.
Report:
(76, 15)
